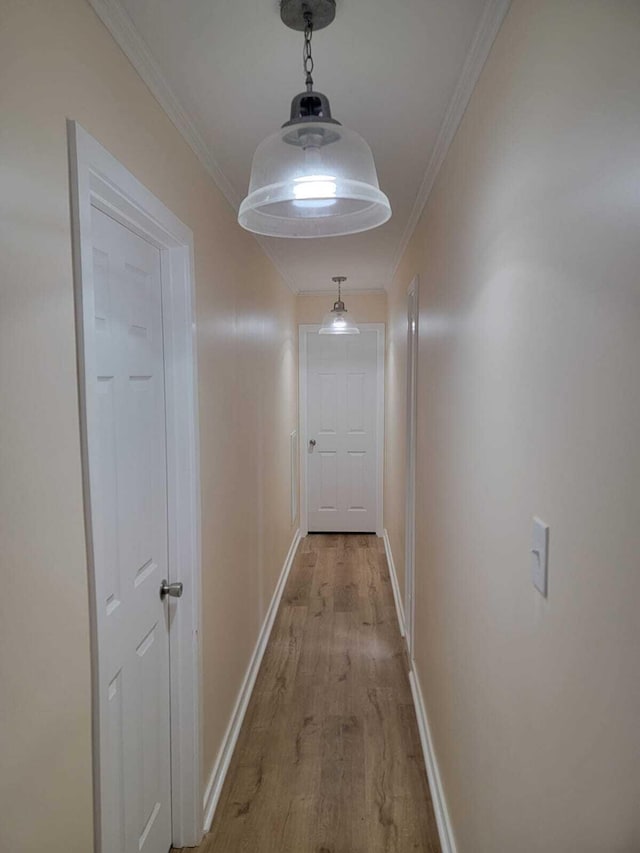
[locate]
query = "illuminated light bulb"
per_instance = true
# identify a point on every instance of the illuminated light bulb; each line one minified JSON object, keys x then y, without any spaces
{"x":314,"y":187}
{"x":314,"y":191}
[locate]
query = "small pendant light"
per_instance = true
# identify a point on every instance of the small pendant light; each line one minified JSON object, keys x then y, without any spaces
{"x":336,"y":322}
{"x":313,"y":177}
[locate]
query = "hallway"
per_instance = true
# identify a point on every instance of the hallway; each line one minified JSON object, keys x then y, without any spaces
{"x":329,"y":757}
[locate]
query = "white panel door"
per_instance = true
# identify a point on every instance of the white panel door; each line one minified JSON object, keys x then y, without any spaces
{"x":128,"y":476}
{"x":342,"y":416}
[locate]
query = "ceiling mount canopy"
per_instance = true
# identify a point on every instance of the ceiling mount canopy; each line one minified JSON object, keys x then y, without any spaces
{"x":294,"y":13}
{"x":336,"y":322}
{"x":313,"y":177}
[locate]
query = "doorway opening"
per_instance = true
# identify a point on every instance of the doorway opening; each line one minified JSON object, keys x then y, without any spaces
{"x":410,"y":508}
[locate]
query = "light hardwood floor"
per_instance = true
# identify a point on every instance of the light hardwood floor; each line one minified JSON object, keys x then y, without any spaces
{"x":329,"y":757}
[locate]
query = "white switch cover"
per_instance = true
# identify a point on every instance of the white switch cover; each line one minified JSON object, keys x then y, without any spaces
{"x":540,"y":555}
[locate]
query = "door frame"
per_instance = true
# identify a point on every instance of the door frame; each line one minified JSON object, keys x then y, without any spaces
{"x":98,"y":179}
{"x":303,"y":332}
{"x":411,"y":441}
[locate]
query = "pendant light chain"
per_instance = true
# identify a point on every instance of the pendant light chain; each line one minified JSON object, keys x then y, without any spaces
{"x":307,"y":59}
{"x":339,"y":305}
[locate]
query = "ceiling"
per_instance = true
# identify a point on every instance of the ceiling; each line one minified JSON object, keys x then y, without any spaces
{"x":399,"y":72}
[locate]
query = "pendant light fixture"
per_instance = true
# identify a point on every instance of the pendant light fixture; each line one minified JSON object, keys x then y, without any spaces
{"x":336,"y":322}
{"x":313,"y":177}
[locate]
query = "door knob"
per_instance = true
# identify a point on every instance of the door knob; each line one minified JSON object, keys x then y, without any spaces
{"x":312,"y":442}
{"x":172,"y":589}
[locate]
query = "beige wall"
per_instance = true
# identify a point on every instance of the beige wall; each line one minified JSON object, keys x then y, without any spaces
{"x":58,"y":61}
{"x":529,"y":404}
{"x":363,"y":307}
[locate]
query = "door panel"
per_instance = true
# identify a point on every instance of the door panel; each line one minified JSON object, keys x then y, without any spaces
{"x":328,"y":403}
{"x":328,"y":481}
{"x":356,"y":480}
{"x":355,"y":402}
{"x":127,"y":467}
{"x":342,"y":406}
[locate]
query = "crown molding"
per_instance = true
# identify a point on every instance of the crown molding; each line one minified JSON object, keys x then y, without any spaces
{"x":490,"y":23}
{"x":123,"y":30}
{"x":349,"y":291}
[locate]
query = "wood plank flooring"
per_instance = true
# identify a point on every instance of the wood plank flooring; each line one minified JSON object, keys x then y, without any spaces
{"x":329,"y":757}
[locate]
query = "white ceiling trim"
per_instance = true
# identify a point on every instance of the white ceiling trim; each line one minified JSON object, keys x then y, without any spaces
{"x":346,"y":291}
{"x":490,"y":23}
{"x":123,"y":30}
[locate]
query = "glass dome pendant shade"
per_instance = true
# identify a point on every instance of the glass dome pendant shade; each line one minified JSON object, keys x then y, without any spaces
{"x":336,"y":322}
{"x":313,"y":177}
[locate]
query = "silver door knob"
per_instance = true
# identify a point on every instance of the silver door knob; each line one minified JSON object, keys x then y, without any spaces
{"x":172,"y":589}
{"x":312,"y":442}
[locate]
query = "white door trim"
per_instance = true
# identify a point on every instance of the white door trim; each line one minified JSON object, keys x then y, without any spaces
{"x":410,"y":505}
{"x":303,"y":330}
{"x":98,"y":179}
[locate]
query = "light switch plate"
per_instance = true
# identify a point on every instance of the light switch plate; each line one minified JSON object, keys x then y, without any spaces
{"x":540,"y":555}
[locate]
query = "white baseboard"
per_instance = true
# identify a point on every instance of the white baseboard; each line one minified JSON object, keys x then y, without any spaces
{"x":447,"y":840}
{"x":221,"y":765}
{"x":395,"y":586}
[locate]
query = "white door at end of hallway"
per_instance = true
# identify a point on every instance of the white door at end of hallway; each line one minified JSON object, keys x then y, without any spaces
{"x":342,"y":426}
{"x":128,"y":477}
